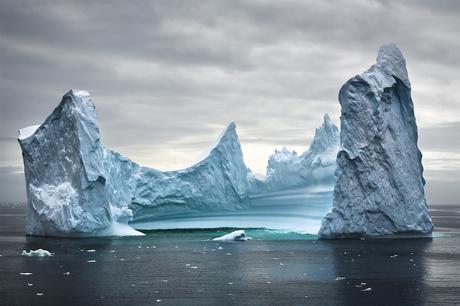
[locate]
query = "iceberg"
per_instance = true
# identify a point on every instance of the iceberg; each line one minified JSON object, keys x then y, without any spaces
{"x":238,"y":235}
{"x":77,"y":187}
{"x":218,"y":182}
{"x":65,"y":180}
{"x":380,"y":185}
{"x":315,"y":166}
{"x":36,"y":253}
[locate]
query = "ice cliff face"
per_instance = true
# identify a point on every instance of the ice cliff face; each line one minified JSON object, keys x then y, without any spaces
{"x":77,"y":187}
{"x":217,"y":182}
{"x":64,"y":173}
{"x":380,"y":185}
{"x":315,"y":166}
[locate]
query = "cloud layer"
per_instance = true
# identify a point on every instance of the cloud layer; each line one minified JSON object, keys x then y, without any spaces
{"x":167,"y":76}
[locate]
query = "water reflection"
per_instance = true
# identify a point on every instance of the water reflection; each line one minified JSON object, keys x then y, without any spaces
{"x":380,"y":272}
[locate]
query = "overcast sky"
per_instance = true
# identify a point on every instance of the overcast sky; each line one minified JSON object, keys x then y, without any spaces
{"x":168,"y":76}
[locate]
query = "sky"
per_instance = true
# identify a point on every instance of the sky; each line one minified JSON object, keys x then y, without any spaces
{"x":168,"y":76}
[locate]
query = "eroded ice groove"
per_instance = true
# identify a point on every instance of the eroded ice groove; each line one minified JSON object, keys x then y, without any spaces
{"x":380,"y":185}
{"x":297,"y":210}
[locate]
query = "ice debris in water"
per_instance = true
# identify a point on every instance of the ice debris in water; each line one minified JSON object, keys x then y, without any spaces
{"x":36,"y":253}
{"x":239,"y":235}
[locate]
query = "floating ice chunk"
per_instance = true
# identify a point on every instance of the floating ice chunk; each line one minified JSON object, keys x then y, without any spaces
{"x":91,"y":261}
{"x":239,"y":235}
{"x":36,"y":253}
{"x":366,"y":290}
{"x":90,"y":251}
{"x":66,"y":273}
{"x":339,"y":278}
{"x":25,"y":273}
{"x":39,"y":293}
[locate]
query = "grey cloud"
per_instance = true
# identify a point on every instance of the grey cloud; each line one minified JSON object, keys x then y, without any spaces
{"x":168,"y":76}
{"x":442,"y":137}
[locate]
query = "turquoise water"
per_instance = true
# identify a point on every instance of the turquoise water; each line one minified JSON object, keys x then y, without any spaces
{"x":209,"y":234}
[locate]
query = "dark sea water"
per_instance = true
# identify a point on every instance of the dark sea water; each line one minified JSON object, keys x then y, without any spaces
{"x":185,"y":267}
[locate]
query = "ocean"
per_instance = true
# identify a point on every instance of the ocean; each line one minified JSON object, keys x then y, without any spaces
{"x":186,"y":267}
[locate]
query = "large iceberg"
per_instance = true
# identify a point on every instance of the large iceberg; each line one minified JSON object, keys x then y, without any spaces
{"x":380,"y":185}
{"x":77,"y":187}
{"x":287,"y":169}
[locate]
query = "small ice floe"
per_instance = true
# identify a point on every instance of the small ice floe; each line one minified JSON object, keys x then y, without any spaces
{"x":367,"y":290}
{"x":239,"y":235}
{"x":91,"y":261}
{"x":159,"y":301}
{"x":394,"y":256}
{"x":339,"y":278}
{"x":25,"y":273}
{"x":36,"y":253}
{"x":66,"y":273}
{"x":39,"y":293}
{"x":220,"y":248}
{"x":90,"y":251}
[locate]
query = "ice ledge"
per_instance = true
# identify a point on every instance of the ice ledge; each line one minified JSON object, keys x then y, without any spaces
{"x":27,"y":131}
{"x":79,"y":93}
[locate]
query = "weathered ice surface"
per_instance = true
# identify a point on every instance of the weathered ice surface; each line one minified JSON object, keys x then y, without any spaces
{"x":380,"y":185}
{"x":63,"y":169}
{"x":317,"y":165}
{"x":218,"y":182}
{"x":76,"y":187}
